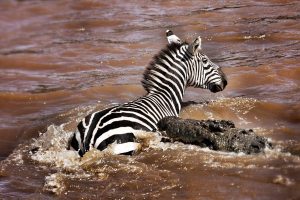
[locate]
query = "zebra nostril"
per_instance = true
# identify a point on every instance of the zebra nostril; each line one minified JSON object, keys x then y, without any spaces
{"x":215,"y":88}
{"x":224,"y":83}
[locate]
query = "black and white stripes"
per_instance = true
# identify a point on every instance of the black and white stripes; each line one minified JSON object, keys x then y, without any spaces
{"x":174,"y":68}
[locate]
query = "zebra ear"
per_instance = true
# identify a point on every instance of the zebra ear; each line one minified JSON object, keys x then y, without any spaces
{"x":195,"y":46}
{"x":172,"y":38}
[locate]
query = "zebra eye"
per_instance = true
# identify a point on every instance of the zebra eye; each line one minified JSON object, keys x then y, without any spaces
{"x":204,"y":60}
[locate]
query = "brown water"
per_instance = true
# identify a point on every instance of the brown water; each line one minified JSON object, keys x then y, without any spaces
{"x":60,"y":60}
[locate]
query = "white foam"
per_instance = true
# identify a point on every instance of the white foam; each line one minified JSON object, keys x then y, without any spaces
{"x":52,"y":148}
{"x":283,"y":180}
{"x":248,"y":37}
{"x":54,"y":183}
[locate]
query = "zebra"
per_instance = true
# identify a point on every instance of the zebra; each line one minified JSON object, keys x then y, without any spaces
{"x":175,"y":67}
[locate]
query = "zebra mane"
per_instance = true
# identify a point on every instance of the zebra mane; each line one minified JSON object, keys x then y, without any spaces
{"x":147,"y":80}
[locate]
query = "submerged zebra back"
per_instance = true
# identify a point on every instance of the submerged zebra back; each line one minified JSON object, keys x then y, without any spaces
{"x":113,"y":125}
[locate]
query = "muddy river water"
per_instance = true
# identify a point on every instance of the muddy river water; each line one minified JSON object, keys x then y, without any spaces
{"x":60,"y":60}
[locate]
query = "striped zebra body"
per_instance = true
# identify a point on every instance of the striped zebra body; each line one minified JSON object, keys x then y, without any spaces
{"x":165,"y":79}
{"x":120,"y":123}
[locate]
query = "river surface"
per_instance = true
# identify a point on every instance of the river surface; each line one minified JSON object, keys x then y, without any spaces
{"x":60,"y":60}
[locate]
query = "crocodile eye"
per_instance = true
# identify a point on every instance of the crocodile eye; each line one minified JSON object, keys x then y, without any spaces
{"x":204,"y":60}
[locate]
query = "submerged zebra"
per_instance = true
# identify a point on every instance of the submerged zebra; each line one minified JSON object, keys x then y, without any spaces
{"x":174,"y":68}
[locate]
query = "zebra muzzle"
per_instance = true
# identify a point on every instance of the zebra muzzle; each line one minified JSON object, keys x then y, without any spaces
{"x":218,"y":87}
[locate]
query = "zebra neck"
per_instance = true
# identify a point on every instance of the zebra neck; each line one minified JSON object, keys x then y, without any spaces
{"x":166,"y":76}
{"x":164,"y":104}
{"x":170,"y":91}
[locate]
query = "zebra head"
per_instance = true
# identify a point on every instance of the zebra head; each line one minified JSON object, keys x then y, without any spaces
{"x":203,"y":73}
